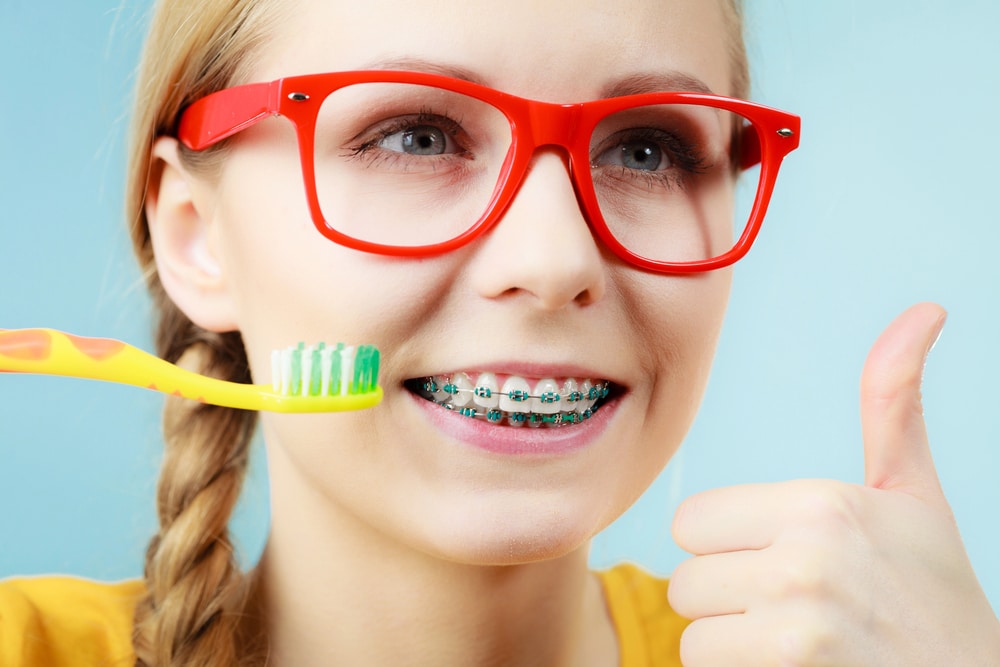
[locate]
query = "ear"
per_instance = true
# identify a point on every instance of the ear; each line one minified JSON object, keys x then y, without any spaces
{"x":178,"y":211}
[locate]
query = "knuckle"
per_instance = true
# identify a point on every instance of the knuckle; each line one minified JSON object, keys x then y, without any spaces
{"x":809,"y":562}
{"x":799,"y":577}
{"x":829,"y":504}
{"x":804,"y":642}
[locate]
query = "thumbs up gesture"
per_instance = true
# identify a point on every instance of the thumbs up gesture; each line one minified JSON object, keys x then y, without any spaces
{"x":819,"y":572}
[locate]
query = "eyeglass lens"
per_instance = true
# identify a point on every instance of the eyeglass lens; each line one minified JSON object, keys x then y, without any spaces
{"x":412,"y":165}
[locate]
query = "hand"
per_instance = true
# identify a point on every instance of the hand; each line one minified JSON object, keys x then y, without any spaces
{"x":818,"y":572}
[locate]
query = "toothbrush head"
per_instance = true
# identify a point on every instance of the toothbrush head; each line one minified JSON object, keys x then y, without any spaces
{"x":312,"y":377}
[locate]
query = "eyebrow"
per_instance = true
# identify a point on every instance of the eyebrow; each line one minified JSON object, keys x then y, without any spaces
{"x":421,"y":65}
{"x":634,"y":84}
{"x":658,"y":82}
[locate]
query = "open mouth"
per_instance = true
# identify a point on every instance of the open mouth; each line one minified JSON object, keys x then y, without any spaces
{"x":513,"y":400}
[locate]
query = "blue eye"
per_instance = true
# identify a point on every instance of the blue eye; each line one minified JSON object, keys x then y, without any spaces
{"x":636,"y":154}
{"x":419,"y":140}
{"x":650,"y":157}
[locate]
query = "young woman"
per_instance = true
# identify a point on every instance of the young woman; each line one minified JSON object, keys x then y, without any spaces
{"x":413,"y":198}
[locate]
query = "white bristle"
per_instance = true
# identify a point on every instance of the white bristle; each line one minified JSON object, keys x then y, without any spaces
{"x":276,"y":370}
{"x":286,"y":370}
{"x":325,"y":368}
{"x":307,"y":370}
{"x":346,"y":369}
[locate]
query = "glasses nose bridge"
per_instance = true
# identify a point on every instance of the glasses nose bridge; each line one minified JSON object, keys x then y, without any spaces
{"x":554,"y":125}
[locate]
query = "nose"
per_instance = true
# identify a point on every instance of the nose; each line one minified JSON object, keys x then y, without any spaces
{"x":542,"y":247}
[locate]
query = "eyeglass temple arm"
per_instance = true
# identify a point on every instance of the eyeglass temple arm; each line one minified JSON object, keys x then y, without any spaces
{"x":226,"y":112}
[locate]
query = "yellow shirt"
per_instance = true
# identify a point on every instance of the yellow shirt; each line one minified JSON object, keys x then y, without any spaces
{"x":64,"y":621}
{"x":649,"y":630}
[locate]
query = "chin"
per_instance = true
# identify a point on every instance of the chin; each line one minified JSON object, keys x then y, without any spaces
{"x":512,"y":537}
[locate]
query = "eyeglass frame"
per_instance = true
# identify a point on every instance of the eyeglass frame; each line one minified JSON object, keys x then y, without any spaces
{"x":534,"y":124}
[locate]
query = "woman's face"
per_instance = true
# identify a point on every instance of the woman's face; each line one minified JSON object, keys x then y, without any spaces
{"x":537,"y":298}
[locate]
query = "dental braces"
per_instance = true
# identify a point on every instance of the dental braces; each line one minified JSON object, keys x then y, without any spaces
{"x":596,"y":392}
{"x":442,"y":394}
{"x":497,"y":416}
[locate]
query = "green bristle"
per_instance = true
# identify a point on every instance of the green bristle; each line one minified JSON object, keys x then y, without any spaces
{"x":359,"y":360}
{"x":296,"y":380}
{"x":373,"y":368}
{"x":360,"y":365}
{"x":335,"y":369}
{"x":316,"y":376}
{"x":371,"y":362}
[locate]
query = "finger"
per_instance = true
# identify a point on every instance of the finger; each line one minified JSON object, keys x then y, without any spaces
{"x":897,"y":453}
{"x":732,"y":518}
{"x":724,"y":641}
{"x":746,"y":517}
{"x":791,"y":635}
{"x":715,"y":585}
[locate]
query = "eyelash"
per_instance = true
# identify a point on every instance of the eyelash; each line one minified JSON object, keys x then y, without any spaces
{"x":684,"y":157}
{"x":370,"y":151}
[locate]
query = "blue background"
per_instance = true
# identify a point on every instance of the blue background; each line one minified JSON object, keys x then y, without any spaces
{"x":891,"y":200}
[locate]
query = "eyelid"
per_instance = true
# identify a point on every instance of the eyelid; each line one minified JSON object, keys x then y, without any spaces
{"x":398,"y":124}
{"x":682,"y":153}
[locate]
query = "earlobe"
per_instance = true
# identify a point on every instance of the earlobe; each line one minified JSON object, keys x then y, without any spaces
{"x":178,"y":211}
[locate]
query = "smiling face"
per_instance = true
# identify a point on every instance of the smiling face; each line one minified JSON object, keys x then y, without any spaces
{"x":536,"y":305}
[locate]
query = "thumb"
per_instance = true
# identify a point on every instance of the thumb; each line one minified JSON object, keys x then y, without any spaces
{"x":897,"y":453}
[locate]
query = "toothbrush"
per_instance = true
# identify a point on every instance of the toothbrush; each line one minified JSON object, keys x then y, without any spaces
{"x":305,"y":378}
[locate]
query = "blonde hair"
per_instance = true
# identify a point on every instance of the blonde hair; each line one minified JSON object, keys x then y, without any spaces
{"x":737,"y":48}
{"x":195,"y":589}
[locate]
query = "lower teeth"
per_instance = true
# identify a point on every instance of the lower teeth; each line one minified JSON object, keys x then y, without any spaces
{"x":498,"y":416}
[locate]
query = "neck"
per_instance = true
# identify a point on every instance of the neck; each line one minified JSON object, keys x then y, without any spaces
{"x":348,"y":595}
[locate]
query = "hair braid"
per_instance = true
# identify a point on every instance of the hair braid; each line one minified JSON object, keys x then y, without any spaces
{"x":194,"y":584}
{"x":194,"y":587}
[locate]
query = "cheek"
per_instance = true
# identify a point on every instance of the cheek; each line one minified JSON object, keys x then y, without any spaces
{"x":680,"y":321}
{"x":290,"y":283}
{"x":680,"y":330}
{"x":694,"y":319}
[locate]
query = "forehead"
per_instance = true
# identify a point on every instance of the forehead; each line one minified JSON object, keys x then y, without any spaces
{"x":556,"y":50}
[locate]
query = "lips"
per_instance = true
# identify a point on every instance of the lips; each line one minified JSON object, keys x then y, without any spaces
{"x":514,"y":400}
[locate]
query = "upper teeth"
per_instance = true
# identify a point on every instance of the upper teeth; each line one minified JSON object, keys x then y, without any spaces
{"x":547,"y":397}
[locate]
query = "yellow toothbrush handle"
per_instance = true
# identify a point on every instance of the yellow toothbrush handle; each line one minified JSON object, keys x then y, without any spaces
{"x":51,"y":352}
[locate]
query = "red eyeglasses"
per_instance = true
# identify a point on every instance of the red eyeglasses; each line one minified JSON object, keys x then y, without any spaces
{"x":415,"y":164}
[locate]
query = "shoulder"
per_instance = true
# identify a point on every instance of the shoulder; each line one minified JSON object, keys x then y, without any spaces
{"x":649,"y":630}
{"x":62,"y":620}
